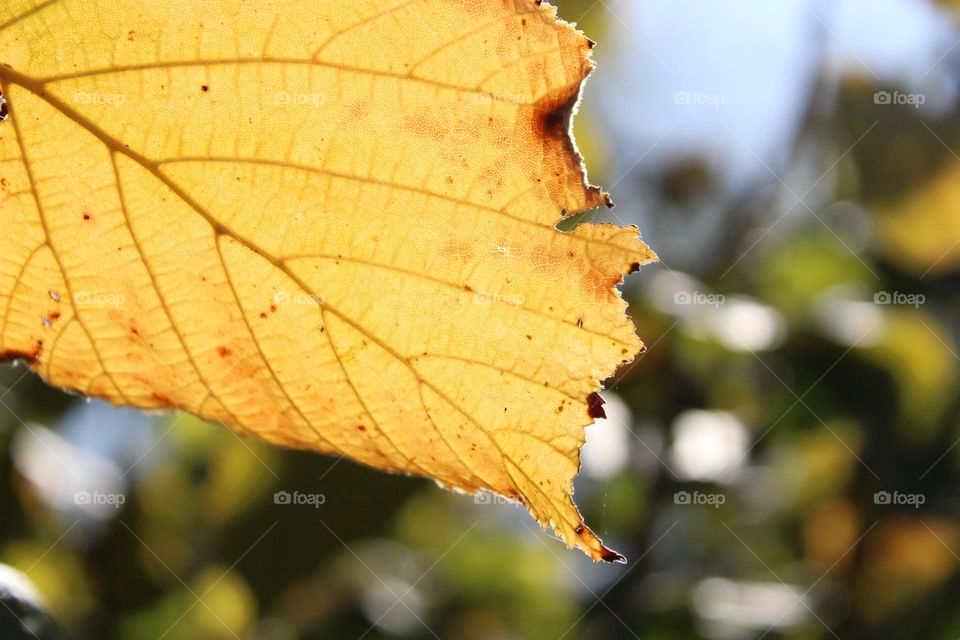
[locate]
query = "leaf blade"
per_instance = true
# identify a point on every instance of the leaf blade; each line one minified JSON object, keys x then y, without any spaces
{"x":329,"y":232}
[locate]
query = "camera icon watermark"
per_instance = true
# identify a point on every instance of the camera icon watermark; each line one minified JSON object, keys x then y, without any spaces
{"x":887,"y":498}
{"x":298,"y":499}
{"x":688,"y":498}
{"x":914,"y":100}
{"x":914,"y":300}
{"x":96,"y":498}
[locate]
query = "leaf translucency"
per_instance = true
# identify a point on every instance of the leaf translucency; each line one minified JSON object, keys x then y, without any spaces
{"x":318,"y":228}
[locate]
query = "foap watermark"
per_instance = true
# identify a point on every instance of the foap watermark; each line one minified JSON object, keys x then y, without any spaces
{"x":298,"y":499}
{"x":914,"y":300}
{"x":699,"y":298}
{"x":697,"y":98}
{"x":485,"y":497}
{"x":97,"y":499}
{"x":486,"y":98}
{"x":899,"y":98}
{"x":314,"y":100}
{"x":516,"y":300}
{"x":898,"y":499}
{"x":686,"y":498}
{"x":99,"y":299}
{"x":296,"y":297}
{"x":102,"y":99}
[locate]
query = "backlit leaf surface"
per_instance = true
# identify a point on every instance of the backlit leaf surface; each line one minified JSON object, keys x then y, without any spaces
{"x":326,"y":223}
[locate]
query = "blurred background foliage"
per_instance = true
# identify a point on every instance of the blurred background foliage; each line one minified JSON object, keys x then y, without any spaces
{"x":782,"y":462}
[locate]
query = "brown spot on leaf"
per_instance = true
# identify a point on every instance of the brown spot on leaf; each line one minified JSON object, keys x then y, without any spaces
{"x":595,"y":406}
{"x":456,"y":249}
{"x":360,"y":109}
{"x":599,"y":285}
{"x":549,"y":123}
{"x":223,"y":352}
{"x":12,"y":355}
{"x":554,"y":115}
{"x":609,"y":555}
{"x":161,"y":399}
{"x":428,"y":125}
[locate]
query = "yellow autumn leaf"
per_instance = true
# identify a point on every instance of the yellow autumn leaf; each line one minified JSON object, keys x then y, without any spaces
{"x":329,"y":224}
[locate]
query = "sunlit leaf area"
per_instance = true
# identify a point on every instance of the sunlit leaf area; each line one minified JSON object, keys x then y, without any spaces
{"x":783,"y":461}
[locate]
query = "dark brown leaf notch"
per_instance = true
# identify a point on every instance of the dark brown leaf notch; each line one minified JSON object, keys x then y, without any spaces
{"x":595,"y":406}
